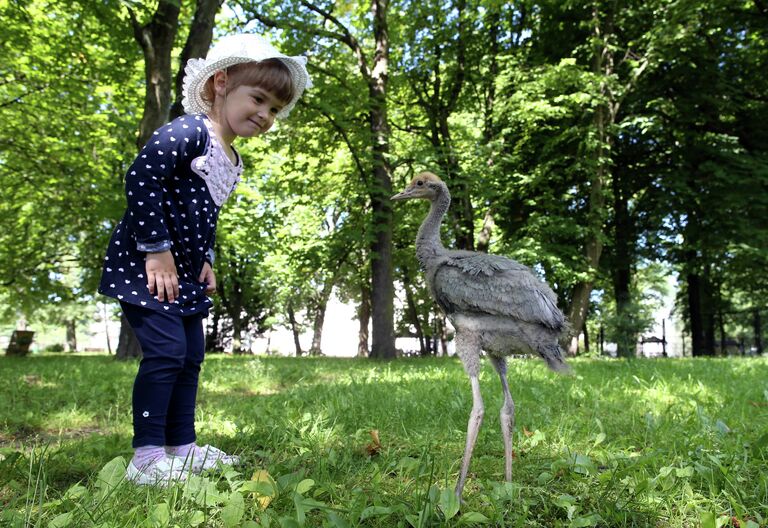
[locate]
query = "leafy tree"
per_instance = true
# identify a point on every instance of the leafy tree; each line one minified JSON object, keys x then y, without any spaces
{"x":352,"y":29}
{"x":65,"y":103}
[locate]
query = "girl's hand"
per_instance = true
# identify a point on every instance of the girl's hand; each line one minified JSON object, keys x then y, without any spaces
{"x":162,"y":279}
{"x":208,"y":277}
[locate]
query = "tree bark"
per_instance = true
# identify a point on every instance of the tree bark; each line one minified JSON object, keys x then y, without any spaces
{"x":317,"y":325}
{"x":622,"y":270}
{"x":484,"y":237}
{"x":156,"y":39}
{"x":71,"y":326}
{"x":382,"y":286}
{"x":586,"y":338}
{"x":294,"y":329}
{"x":363,"y":318}
{"x":605,"y":115}
{"x":413,"y":314}
{"x":698,"y":340}
{"x":234,"y":307}
{"x":212,"y":339}
{"x":196,"y":46}
{"x":237,"y":335}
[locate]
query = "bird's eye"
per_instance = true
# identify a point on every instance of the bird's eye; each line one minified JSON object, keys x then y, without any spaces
{"x":419,"y":183}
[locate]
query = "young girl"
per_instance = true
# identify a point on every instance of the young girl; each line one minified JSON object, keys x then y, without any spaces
{"x":159,"y":261}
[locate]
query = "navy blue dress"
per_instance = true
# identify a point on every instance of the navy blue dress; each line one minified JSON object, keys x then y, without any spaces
{"x":175,"y":189}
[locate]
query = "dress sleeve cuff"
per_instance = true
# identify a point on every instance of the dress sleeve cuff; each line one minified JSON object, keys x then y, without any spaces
{"x":155,"y":247}
{"x":210,"y":256}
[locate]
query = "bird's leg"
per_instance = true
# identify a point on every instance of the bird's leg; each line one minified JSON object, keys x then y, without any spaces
{"x":473,"y":426}
{"x":469,"y":351}
{"x":507,"y":415}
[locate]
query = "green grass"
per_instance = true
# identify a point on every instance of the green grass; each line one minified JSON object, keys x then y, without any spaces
{"x":667,"y":443}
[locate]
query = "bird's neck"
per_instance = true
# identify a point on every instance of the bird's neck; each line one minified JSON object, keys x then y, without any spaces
{"x":428,"y":243}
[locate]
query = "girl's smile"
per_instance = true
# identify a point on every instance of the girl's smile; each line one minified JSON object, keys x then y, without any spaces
{"x":247,"y":111}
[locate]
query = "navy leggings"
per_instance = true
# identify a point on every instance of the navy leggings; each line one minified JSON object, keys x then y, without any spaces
{"x":165,"y":389}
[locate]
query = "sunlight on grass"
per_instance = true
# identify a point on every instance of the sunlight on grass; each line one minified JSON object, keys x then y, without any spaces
{"x":639,"y":443}
{"x":69,"y":419}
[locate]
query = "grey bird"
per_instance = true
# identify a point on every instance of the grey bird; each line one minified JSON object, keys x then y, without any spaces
{"x":494,"y":303}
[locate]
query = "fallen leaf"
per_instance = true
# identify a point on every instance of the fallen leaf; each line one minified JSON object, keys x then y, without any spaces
{"x":374,"y":448}
{"x":264,"y":499}
{"x":526,"y":432}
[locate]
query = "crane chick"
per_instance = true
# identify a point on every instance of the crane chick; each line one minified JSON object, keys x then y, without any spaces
{"x":494,"y":303}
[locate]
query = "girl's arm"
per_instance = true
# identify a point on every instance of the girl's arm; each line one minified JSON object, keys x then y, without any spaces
{"x":170,"y":145}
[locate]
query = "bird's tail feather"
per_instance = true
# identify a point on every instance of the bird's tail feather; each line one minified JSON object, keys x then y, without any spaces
{"x":554,"y":357}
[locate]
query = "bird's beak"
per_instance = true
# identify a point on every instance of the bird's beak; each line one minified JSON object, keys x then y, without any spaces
{"x":403,"y":195}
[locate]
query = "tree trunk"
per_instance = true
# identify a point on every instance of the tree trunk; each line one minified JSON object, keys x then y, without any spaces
{"x":294,"y":329}
{"x":604,"y":118}
{"x":237,"y":333}
{"x":363,"y":318}
{"x":127,"y":345}
{"x":106,"y":329}
{"x":442,"y":334}
{"x":626,"y":340}
{"x":156,"y":40}
{"x":212,"y":339}
{"x":71,"y":326}
{"x":758,"y":329}
{"x":413,"y":314}
{"x":493,"y":29}
{"x":380,"y":187}
{"x":484,"y":237}
{"x":196,"y":46}
{"x":698,"y":341}
{"x":319,"y":319}
{"x":586,"y":338}
{"x":462,"y":212}
{"x":721,"y":327}
{"x":709,"y":327}
{"x":382,"y":287}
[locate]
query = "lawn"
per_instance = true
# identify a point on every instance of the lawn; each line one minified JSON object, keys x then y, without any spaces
{"x":662,"y":443}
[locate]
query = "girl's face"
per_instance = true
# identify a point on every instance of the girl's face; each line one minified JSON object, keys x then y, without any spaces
{"x":245,"y":111}
{"x":249,"y":111}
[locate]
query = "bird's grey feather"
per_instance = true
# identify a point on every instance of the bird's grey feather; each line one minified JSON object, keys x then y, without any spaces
{"x":493,"y":285}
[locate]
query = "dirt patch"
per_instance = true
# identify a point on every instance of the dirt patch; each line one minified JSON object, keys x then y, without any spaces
{"x":27,"y":436}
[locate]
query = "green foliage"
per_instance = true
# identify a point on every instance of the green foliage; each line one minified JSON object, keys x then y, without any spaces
{"x":502,"y":99}
{"x":65,"y":104}
{"x":646,"y":443}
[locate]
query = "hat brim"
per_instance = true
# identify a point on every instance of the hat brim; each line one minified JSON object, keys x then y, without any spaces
{"x":198,"y":71}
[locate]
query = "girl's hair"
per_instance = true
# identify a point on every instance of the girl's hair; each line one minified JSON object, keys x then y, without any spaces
{"x":270,"y":74}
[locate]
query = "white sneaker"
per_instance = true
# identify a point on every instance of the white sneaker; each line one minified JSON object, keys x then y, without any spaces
{"x":203,"y":458}
{"x":162,"y":473}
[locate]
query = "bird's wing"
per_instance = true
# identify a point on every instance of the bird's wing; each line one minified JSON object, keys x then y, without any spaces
{"x":490,"y":284}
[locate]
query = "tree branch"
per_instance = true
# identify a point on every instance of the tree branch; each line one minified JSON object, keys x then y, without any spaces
{"x":344,"y":36}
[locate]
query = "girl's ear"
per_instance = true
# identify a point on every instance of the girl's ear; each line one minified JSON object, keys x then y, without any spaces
{"x":220,"y":82}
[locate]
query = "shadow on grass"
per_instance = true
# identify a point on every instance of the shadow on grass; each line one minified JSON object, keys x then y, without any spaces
{"x":627,"y":420}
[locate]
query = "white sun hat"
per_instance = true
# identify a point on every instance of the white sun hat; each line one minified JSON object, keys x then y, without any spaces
{"x":237,"y":49}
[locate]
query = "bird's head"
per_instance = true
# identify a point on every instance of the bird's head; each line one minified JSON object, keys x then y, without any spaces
{"x":425,"y":186}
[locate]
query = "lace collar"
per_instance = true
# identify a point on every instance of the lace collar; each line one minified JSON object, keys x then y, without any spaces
{"x":215,"y":167}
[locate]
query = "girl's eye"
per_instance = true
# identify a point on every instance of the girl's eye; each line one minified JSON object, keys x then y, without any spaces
{"x":258,"y":99}
{"x":274,"y":111}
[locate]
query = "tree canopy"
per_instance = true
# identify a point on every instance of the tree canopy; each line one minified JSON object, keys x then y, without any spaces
{"x":604,"y":145}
